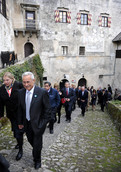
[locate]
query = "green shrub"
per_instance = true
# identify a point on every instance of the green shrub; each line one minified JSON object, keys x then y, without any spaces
{"x":34,"y":65}
{"x":38,"y":67}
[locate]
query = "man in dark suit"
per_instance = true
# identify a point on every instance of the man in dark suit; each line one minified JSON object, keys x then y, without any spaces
{"x":103,"y":99}
{"x":33,"y":114}
{"x":83,"y":97}
{"x":54,"y":102}
{"x":69,"y":96}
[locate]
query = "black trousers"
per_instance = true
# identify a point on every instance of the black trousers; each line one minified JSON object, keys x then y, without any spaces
{"x":18,"y":134}
{"x":59,"y":112}
{"x":102,"y":106}
{"x":53,"y":118}
{"x":83,"y":106}
{"x":35,"y":141}
{"x":68,"y":109}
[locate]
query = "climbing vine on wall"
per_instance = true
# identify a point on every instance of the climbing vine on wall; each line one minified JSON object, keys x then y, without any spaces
{"x":34,"y":65}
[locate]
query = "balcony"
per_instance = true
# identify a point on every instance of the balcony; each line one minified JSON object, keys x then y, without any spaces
{"x":26,"y":26}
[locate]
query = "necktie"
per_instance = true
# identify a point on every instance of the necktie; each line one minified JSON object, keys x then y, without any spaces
{"x":28,"y":102}
{"x":67,"y":91}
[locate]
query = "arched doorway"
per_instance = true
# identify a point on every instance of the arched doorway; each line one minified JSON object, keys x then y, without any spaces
{"x":28,"y":49}
{"x":62,"y":83}
{"x":82,"y":82}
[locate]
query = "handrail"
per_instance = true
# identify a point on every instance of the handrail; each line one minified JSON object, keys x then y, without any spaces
{"x":28,"y":24}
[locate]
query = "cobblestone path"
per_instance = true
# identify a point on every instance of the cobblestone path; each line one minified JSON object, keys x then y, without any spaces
{"x":87,"y":144}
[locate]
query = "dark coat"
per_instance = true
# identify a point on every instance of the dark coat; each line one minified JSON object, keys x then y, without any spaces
{"x":39,"y":110}
{"x":71,"y":95}
{"x":54,"y":98}
{"x":103,"y":98}
{"x":11,"y":102}
{"x":84,"y":97}
{"x":4,"y":165}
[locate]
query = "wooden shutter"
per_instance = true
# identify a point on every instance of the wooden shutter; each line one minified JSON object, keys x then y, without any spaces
{"x":57,"y":18}
{"x":78,"y":18}
{"x":109,"y":21}
{"x":100,"y":21}
{"x":89,"y":19}
{"x":68,"y":17}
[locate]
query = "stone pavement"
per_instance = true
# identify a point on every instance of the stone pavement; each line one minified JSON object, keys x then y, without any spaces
{"x":87,"y":144}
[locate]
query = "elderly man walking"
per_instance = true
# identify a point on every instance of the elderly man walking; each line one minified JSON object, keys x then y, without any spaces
{"x":33,"y":114}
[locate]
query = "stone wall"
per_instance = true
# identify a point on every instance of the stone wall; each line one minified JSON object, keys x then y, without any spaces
{"x":114,"y":110}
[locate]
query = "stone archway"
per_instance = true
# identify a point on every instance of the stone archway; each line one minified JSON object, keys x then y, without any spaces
{"x":62,"y":83}
{"x":82,"y":82}
{"x":28,"y":49}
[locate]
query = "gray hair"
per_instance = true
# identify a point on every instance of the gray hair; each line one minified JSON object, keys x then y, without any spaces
{"x":28,"y":73}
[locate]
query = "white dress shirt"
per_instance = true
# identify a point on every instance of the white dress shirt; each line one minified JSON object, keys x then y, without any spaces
{"x":31,"y":95}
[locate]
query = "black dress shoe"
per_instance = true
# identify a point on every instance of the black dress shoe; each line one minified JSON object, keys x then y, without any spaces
{"x":37,"y":165}
{"x":69,"y":120}
{"x":51,"y":132}
{"x":19,"y":155}
{"x":17,"y":146}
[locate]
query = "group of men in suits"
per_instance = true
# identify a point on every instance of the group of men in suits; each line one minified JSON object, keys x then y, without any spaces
{"x":38,"y":106}
{"x":69,"y":94}
{"x":34,"y":109}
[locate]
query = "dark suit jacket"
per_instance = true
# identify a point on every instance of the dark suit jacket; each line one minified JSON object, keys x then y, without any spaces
{"x":71,"y":95}
{"x":4,"y":164}
{"x":39,"y":110}
{"x":11,"y":102}
{"x":84,"y":97}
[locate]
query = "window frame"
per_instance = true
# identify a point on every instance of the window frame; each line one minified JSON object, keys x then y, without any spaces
{"x":3,"y":8}
{"x":61,"y":11}
{"x":83,"y":14}
{"x":82,"y":53}
{"x":30,"y":22}
{"x":64,"y":50}
{"x":104,"y":22}
{"x":118,"y":54}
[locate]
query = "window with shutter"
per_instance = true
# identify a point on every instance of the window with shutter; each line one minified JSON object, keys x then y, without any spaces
{"x":104,"y":21}
{"x":89,"y":19}
{"x":63,"y":16}
{"x":57,"y":17}
{"x":68,"y":17}
{"x":78,"y":18}
{"x":100,"y":21}
{"x":109,"y":21}
{"x":84,"y":19}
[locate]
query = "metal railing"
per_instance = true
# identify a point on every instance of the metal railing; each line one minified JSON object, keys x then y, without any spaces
{"x":26,"y":24}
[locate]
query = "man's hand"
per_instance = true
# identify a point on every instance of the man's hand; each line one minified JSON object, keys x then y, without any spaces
{"x":1,"y":118}
{"x":82,"y":100}
{"x":68,"y":100}
{"x":20,"y":127}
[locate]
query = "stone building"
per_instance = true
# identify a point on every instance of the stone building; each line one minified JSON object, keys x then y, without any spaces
{"x":77,"y":40}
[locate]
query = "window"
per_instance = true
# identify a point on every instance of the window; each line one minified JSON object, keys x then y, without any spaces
{"x":84,"y":19}
{"x":30,"y":19}
{"x":3,"y":7}
{"x":64,"y":50}
{"x":0,"y":6}
{"x":104,"y":21}
{"x":63,"y":16}
{"x":118,"y":53}
{"x":81,"y":50}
